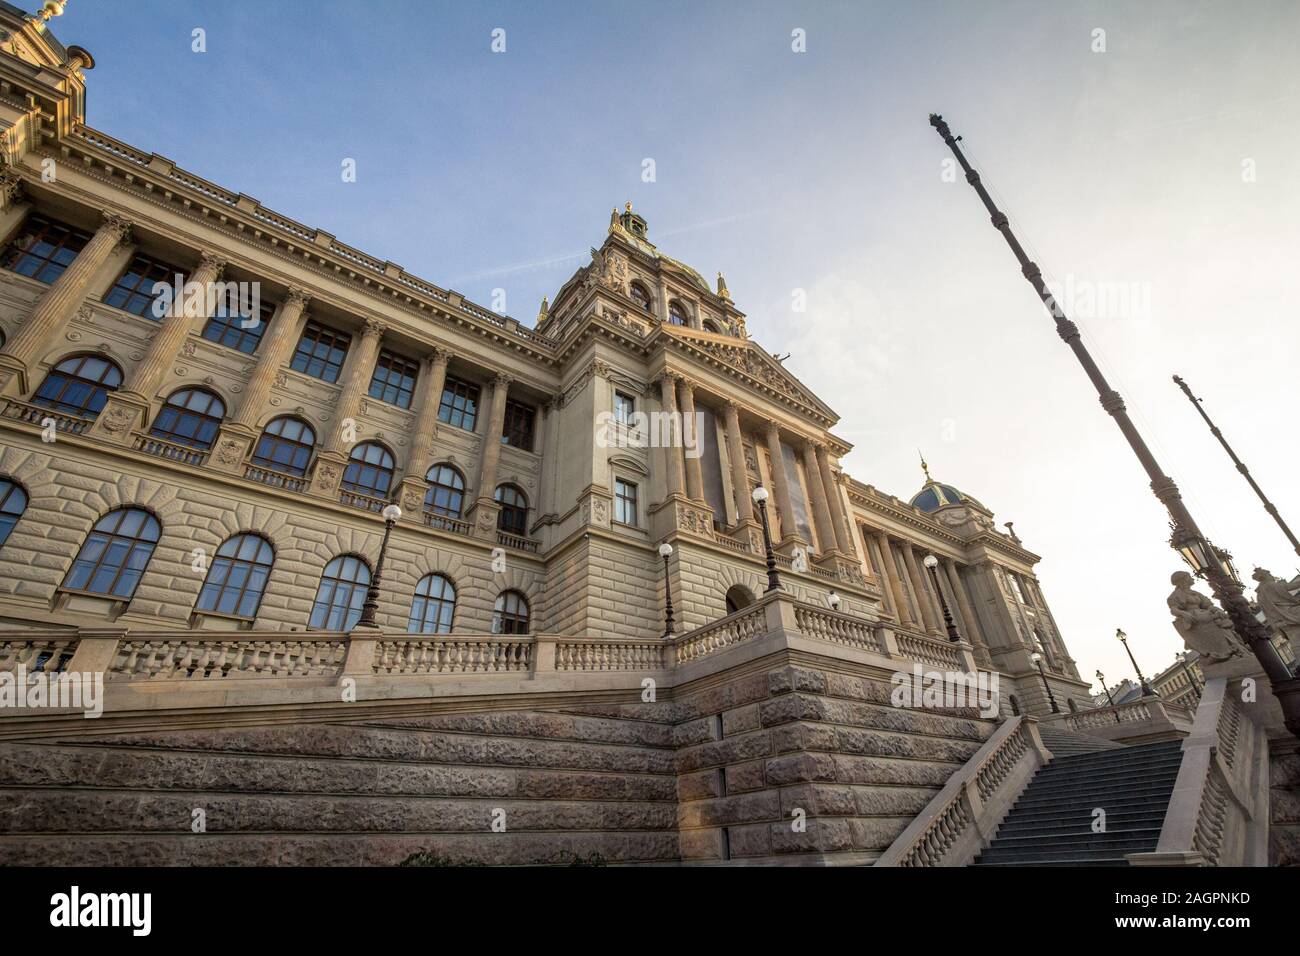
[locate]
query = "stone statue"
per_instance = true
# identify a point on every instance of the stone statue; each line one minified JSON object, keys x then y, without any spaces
{"x":1281,"y":608}
{"x":1202,"y":626}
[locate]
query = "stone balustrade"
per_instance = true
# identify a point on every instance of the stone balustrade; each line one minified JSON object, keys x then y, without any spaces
{"x":454,"y":654}
{"x":195,"y":657}
{"x":963,"y":817}
{"x":1219,"y":812}
{"x":1146,"y":720}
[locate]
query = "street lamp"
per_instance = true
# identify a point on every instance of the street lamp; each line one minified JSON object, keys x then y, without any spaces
{"x":773,"y":579}
{"x":1230,"y":593}
{"x":390,"y":514}
{"x":1146,"y":688}
{"x":931,"y":563}
{"x":833,"y":600}
{"x":1037,"y":658}
{"x":665,"y":551}
{"x":1102,"y":677}
{"x":1191,"y":676}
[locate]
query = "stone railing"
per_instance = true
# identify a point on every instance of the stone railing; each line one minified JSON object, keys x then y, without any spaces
{"x":942,"y":654}
{"x":453,"y":654}
{"x":1148,"y":719}
{"x":963,"y":817}
{"x":744,"y":625}
{"x":168,"y":449}
{"x":838,"y":628}
{"x":196,"y":657}
{"x":446,"y":523}
{"x":518,"y":542}
{"x":276,"y":479}
{"x":625,"y":655}
{"x":1218,"y":812}
{"x":35,"y":652}
{"x":356,"y":499}
{"x":37,"y":415}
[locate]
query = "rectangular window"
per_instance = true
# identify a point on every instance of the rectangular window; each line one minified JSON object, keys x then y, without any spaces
{"x":624,"y":501}
{"x":517,"y":430}
{"x":227,"y":327}
{"x":624,"y":408}
{"x":459,"y":405}
{"x":134,"y":290}
{"x":321,"y":352}
{"x":394,"y":379}
{"x":43,"y":248}
{"x":1017,"y":591}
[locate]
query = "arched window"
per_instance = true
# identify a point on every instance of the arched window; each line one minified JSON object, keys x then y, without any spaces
{"x":433,"y":605}
{"x":285,"y":446}
{"x":513,"y":516}
{"x":738,"y":596}
{"x":639,"y":295}
{"x":446,"y":494}
{"x":237,"y":577}
{"x":677,"y":313}
{"x":190,"y":416}
{"x":341,"y":593}
{"x":13,"y":502}
{"x":711,"y":326}
{"x":510,"y":615}
{"x":115,"y":553}
{"x":369,"y":470}
{"x":79,"y":385}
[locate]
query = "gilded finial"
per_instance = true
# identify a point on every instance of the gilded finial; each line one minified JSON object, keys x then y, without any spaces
{"x":722,"y":288}
{"x":629,"y":205}
{"x":51,"y":9}
{"x":924,"y":465}
{"x":545,"y":310}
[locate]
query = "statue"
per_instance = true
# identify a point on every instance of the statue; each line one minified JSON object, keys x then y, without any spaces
{"x":1281,"y":608}
{"x":1202,"y":626}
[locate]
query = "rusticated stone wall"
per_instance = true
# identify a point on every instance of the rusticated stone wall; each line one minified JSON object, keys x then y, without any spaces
{"x":776,"y":764}
{"x":1284,"y":807}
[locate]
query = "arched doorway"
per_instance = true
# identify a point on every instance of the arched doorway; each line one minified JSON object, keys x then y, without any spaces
{"x":738,"y":597}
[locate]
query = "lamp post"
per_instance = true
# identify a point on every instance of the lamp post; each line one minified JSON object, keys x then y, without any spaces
{"x":665,"y":551}
{"x":931,"y":563}
{"x":773,"y":579}
{"x":1037,"y":658}
{"x":390,"y":513}
{"x":1191,"y":676}
{"x":1285,"y":685}
{"x":1102,"y":677}
{"x":1146,"y":688}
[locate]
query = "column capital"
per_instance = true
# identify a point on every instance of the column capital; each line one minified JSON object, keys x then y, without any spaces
{"x":11,"y":185}
{"x":373,"y":329}
{"x":501,"y":380}
{"x":297,"y":297}
{"x":439,"y":355}
{"x":213,"y":261}
{"x":117,"y":226}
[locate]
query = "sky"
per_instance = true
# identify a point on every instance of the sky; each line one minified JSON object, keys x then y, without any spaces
{"x":1152,"y":169}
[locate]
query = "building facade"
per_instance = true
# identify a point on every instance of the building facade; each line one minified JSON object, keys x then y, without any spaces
{"x":236,"y":463}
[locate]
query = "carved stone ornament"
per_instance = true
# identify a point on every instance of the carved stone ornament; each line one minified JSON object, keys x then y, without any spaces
{"x":600,"y":511}
{"x":117,"y":418}
{"x":229,"y":451}
{"x":412,"y":501}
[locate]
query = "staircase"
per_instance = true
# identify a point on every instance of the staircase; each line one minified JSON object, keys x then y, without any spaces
{"x":1052,"y":822}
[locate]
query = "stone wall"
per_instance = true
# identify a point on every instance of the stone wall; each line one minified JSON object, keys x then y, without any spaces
{"x":773,"y":763}
{"x":1284,"y":806}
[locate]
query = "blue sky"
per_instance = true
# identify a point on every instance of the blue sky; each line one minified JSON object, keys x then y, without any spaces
{"x":817,"y":171}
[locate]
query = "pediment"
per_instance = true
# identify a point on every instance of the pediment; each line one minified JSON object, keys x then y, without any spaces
{"x":743,"y":356}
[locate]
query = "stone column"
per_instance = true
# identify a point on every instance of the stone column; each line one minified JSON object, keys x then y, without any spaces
{"x":484,"y":512}
{"x":874,"y":561}
{"x":276,"y":348}
{"x":128,"y":407}
{"x":789,"y":531}
{"x":694,"y":473}
{"x":672,"y":457}
{"x":832,"y":492}
{"x":972,"y":630}
{"x":428,"y":396}
{"x":820,"y":509}
{"x":358,"y":369}
{"x":890,"y":570}
{"x":923,"y":599}
{"x":56,"y":306}
{"x":739,"y":477}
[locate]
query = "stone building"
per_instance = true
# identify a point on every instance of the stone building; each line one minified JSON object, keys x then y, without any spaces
{"x":190,"y":497}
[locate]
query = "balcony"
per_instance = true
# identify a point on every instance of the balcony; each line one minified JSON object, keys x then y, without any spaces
{"x":37,"y":415}
{"x":276,"y":479}
{"x":356,"y":499}
{"x":183,"y":454}
{"x":516,"y":542}
{"x":447,"y":523}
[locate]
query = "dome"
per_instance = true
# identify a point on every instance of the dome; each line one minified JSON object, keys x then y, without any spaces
{"x":935,"y":494}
